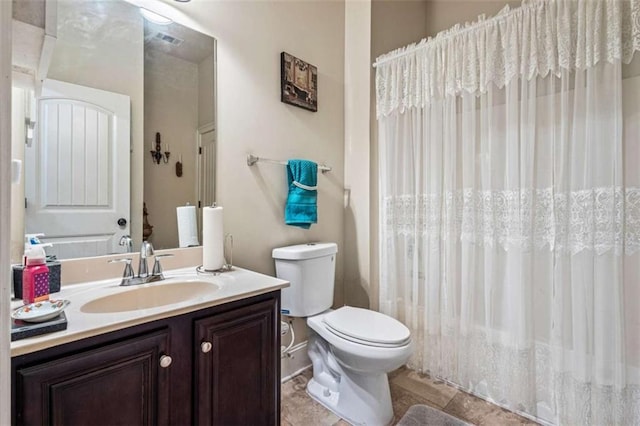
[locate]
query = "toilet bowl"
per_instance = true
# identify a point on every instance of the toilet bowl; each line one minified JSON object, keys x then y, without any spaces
{"x":350,"y":370}
{"x":351,"y":349}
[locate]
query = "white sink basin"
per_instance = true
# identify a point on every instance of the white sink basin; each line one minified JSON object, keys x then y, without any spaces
{"x":149,"y":296}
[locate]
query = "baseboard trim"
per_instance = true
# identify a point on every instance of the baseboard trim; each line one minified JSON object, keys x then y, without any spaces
{"x":295,"y":362}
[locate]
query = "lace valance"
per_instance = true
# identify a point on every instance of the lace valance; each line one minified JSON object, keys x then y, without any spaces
{"x":599,"y":219}
{"x":538,"y":38}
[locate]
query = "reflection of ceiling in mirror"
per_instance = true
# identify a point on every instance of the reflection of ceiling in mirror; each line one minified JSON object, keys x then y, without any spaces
{"x":112,"y":19}
{"x":102,"y":20}
{"x":97,"y":21}
{"x":178,"y":41}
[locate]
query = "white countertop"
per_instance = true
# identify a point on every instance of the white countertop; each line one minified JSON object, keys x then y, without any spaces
{"x":234,"y":285}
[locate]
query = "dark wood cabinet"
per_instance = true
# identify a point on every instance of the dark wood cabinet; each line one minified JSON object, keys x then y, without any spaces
{"x":123,"y":378}
{"x":217,"y":366}
{"x":236,"y":382}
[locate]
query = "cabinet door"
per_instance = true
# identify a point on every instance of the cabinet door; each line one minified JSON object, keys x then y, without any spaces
{"x":237,"y":381}
{"x":117,"y":384}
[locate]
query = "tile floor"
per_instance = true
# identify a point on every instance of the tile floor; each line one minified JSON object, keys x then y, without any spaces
{"x":407,"y":388}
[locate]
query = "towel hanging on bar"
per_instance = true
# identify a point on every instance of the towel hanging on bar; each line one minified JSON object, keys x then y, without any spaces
{"x":302,"y":208}
{"x":305,"y":187}
{"x":253,"y":159}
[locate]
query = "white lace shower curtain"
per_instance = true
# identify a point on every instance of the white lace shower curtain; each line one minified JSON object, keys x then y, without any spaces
{"x":510,"y":207}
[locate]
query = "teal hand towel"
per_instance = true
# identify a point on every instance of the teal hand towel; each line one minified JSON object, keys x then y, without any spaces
{"x":302,"y":208}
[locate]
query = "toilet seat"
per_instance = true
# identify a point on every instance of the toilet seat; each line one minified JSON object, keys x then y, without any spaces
{"x":367,"y":327}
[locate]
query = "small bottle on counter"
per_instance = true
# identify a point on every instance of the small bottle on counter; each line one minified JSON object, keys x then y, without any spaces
{"x":35,"y":276}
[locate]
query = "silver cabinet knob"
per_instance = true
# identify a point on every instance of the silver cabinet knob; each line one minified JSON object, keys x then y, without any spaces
{"x":206,"y":347}
{"x":165,"y":361}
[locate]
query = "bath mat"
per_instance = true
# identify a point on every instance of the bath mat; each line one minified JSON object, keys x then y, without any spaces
{"x":421,"y":415}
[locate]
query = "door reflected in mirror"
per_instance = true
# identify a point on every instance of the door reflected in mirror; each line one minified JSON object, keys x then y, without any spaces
{"x":88,"y":104}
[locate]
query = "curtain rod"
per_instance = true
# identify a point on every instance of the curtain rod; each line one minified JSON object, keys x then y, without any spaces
{"x":253,"y":159}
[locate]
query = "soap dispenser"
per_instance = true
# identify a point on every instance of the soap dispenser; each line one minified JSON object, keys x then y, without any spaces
{"x":35,"y":275}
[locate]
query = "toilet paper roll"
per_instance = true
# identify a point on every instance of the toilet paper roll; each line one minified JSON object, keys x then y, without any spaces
{"x":212,"y":238}
{"x":187,"y":226}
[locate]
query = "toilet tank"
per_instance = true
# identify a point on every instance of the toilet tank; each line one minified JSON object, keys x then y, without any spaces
{"x":310,"y":268}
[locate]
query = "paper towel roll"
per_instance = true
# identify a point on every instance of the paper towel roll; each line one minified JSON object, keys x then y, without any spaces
{"x":187,"y":226}
{"x":16,"y":170}
{"x":212,"y":238}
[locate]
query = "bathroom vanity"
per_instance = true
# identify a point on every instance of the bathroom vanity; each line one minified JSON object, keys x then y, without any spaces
{"x":210,"y":359}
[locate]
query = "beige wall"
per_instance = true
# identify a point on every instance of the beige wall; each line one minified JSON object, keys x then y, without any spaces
{"x":442,"y":15}
{"x":396,"y":23}
{"x":114,"y":64}
{"x":206,"y":92}
{"x":253,"y":120}
{"x":170,"y":108}
{"x":250,"y":36}
{"x":356,"y":152}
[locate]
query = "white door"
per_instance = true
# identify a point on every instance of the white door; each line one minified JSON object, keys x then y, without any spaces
{"x":77,"y":179}
{"x":206,"y":164}
{"x":206,"y":170}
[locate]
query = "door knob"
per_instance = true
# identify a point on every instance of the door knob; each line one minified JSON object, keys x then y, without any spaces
{"x":206,"y":347}
{"x":165,"y":361}
{"x":122,"y":222}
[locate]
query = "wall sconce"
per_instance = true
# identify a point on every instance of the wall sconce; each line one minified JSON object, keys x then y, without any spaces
{"x":157,"y":153}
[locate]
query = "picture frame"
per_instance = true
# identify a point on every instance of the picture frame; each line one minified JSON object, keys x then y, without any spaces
{"x":299,"y":82}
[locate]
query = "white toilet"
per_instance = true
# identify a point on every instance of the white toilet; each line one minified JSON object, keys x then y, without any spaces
{"x":352,"y":349}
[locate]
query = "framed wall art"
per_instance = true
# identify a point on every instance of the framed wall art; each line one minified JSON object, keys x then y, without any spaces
{"x":299,"y":82}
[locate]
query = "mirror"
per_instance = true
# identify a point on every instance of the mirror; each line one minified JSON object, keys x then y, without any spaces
{"x":111,"y":112}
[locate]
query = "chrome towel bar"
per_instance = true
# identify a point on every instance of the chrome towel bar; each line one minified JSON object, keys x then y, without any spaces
{"x":253,"y":159}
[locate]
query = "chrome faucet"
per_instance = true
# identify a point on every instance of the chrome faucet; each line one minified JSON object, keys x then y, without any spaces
{"x":127,"y":242}
{"x":128,"y":277}
{"x":146,"y":250}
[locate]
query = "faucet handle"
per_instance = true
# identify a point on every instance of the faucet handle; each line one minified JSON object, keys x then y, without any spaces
{"x":128,"y":270}
{"x":157,"y":267}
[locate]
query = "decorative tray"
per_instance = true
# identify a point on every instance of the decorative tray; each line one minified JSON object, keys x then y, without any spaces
{"x":40,"y":311}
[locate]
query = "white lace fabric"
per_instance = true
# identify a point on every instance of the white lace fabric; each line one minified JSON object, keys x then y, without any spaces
{"x":598,"y":219}
{"x":490,"y":366}
{"x":510,"y":207}
{"x":541,"y":37}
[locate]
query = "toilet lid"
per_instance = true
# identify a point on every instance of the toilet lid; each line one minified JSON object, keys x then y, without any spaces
{"x":365,"y":326}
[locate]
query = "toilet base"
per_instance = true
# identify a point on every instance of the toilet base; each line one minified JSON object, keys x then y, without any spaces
{"x":360,"y":400}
